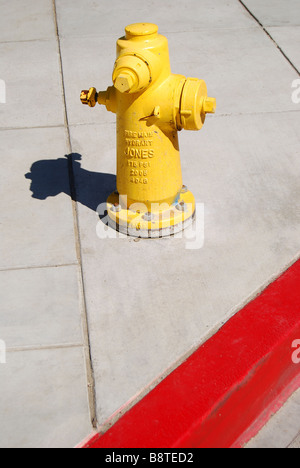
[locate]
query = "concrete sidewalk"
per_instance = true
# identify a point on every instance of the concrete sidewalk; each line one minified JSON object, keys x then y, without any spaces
{"x":90,"y":324}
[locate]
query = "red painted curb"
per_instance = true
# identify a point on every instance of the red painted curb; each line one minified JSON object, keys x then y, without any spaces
{"x":217,"y":397}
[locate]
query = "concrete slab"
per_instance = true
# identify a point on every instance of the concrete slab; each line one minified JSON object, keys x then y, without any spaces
{"x":31,"y":73}
{"x":54,"y":292}
{"x":239,"y":67}
{"x":282,"y":21}
{"x":43,"y":400}
{"x":17,"y":23}
{"x":288,"y":39}
{"x":295,"y":443}
{"x":97,"y":56}
{"x":151,"y":302}
{"x":275,"y":12}
{"x":101,"y":18}
{"x":35,"y":231}
{"x":283,"y":428}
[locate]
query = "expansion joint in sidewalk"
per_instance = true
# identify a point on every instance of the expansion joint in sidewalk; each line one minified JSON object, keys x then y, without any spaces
{"x":88,"y":360}
{"x":270,"y":36}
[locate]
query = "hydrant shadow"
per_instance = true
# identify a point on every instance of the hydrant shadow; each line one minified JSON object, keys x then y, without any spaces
{"x":49,"y":178}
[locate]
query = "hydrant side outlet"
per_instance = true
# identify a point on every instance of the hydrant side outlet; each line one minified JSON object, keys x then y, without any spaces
{"x":151,"y":105}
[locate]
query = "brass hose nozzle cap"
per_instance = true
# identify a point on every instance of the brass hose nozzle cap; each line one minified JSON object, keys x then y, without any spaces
{"x":89,"y":97}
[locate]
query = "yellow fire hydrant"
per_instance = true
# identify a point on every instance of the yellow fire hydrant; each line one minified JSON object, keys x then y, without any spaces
{"x":151,"y":105}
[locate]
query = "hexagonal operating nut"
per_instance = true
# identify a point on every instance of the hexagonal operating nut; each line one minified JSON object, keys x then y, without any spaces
{"x":209,"y":105}
{"x":89,"y":97}
{"x":125,"y":82}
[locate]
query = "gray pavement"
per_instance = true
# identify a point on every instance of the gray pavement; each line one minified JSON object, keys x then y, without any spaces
{"x":282,"y":431}
{"x":91,"y":322}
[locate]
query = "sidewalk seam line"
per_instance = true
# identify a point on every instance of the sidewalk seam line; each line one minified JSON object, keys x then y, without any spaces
{"x":16,"y":349}
{"x":42,"y":127}
{"x":293,"y":441}
{"x":36,"y":267}
{"x":85,"y":329}
{"x":270,"y":36}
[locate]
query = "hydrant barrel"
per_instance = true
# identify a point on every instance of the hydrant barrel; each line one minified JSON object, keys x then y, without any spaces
{"x":151,"y":105}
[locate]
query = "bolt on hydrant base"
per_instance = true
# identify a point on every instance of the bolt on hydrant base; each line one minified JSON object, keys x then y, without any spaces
{"x":162,"y":220}
{"x":151,"y":105}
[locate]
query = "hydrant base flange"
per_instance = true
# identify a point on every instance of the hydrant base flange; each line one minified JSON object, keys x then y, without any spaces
{"x":163,"y":220}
